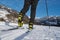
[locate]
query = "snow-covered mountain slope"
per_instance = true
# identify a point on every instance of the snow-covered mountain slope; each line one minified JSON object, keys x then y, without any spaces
{"x":3,"y":13}
{"x":39,"y":32}
{"x":11,"y":15}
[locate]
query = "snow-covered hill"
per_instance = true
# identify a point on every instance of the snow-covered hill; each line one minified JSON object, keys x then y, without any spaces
{"x":3,"y":13}
{"x":11,"y":15}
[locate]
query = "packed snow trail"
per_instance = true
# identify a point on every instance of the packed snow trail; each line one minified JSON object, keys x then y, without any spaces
{"x":42,"y":33}
{"x":10,"y":34}
{"x":13,"y":34}
{"x":38,"y":33}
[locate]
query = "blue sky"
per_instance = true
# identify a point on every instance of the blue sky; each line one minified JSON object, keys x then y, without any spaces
{"x":53,"y":7}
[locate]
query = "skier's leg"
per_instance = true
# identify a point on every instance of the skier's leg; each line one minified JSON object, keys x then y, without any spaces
{"x":33,"y":12}
{"x":22,"y":13}
{"x":25,"y":7}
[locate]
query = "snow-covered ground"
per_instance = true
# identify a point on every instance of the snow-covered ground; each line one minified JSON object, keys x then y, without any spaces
{"x":38,"y":33}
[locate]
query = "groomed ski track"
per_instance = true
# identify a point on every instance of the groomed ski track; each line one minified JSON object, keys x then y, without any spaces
{"x":38,"y":33}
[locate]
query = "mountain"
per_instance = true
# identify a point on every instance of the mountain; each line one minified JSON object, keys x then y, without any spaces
{"x":52,"y":20}
{"x":11,"y":15}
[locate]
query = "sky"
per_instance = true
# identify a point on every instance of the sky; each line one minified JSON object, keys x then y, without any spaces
{"x":53,"y":7}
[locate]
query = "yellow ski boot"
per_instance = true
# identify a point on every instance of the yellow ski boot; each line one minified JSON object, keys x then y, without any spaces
{"x":20,"y":22}
{"x":30,"y":26}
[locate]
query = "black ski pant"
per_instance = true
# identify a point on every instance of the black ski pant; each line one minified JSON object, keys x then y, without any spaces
{"x":27,"y":4}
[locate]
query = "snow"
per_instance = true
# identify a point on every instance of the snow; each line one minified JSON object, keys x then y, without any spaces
{"x":3,"y":13}
{"x":39,"y":32}
{"x":13,"y":34}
